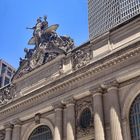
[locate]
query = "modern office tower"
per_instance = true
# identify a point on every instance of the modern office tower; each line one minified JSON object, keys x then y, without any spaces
{"x":6,"y":73}
{"x":106,"y":14}
{"x":129,"y":8}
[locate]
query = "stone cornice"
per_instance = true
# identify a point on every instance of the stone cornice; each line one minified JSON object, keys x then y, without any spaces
{"x":65,"y":82}
{"x":57,"y":105}
{"x":96,"y":89}
{"x":16,"y":122}
{"x":38,"y":69}
{"x":68,"y":101}
{"x":111,"y":83}
{"x":8,"y":125}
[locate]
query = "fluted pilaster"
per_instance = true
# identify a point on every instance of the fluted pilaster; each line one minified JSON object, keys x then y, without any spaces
{"x":58,"y":122}
{"x":8,"y":131}
{"x":70,"y":118}
{"x":65,"y":123}
{"x":98,"y":113}
{"x":114,"y":110}
{"x":70,"y":122}
{"x":16,"y":129}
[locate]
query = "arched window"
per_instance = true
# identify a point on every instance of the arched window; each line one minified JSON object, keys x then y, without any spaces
{"x":42,"y":132}
{"x":134,"y":117}
{"x":85,"y":118}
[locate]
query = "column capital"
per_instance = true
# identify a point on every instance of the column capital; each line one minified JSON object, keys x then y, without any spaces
{"x":68,"y":101}
{"x":58,"y":106}
{"x":8,"y":125}
{"x":110,"y":84}
{"x":16,"y":121}
{"x":96,"y":90}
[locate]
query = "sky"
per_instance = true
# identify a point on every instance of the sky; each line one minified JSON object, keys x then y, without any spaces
{"x":16,"y":15}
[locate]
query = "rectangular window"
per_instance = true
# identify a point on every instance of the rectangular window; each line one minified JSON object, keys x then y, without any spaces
{"x":9,"y":73}
{"x":3,"y":68}
{"x":7,"y":81}
{"x":1,"y":79}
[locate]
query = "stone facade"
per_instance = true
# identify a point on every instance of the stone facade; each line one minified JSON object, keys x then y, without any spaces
{"x":100,"y":78}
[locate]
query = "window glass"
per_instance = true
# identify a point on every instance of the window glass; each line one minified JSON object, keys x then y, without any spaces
{"x":134,"y":118}
{"x":1,"y":81}
{"x":7,"y":81}
{"x":85,"y":118}
{"x":3,"y":68}
{"x":41,"y":133}
{"x":9,"y":73}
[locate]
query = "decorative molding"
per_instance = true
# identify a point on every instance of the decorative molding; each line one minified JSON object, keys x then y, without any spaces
{"x":96,"y":89}
{"x":80,"y":106}
{"x":57,"y":105}
{"x":32,"y":126}
{"x":8,"y":125}
{"x":37,"y":118}
{"x":82,"y":95}
{"x":7,"y":94}
{"x":80,"y":58}
{"x":112,"y":83}
{"x":68,"y":101}
{"x":50,"y":89}
{"x":16,"y":121}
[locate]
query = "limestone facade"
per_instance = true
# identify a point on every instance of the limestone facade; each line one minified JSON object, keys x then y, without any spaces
{"x":101,"y":76}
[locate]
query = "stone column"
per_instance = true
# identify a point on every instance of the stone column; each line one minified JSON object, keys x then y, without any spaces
{"x":8,"y":131}
{"x":125,"y":129}
{"x":116,"y":132}
{"x":70,"y":116}
{"x":16,"y":130}
{"x":98,"y":114}
{"x":58,"y":123}
{"x":64,"y":123}
{"x":2,"y":134}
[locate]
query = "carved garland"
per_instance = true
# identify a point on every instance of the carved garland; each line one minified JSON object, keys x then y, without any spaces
{"x":81,"y":105}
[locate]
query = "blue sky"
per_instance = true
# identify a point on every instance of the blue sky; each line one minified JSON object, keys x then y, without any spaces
{"x":16,"y":15}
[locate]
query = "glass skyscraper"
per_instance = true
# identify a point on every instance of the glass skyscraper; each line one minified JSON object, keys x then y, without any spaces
{"x":105,"y":14}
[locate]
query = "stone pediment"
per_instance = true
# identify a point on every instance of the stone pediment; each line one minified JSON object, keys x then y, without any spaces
{"x":48,"y":45}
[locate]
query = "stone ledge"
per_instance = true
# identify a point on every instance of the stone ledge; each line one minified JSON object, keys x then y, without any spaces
{"x":6,"y":111}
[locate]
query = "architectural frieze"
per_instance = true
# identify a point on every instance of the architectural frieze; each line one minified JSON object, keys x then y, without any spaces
{"x":49,"y":90}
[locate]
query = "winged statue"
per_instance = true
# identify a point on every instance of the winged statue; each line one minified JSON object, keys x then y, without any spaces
{"x":47,"y":45}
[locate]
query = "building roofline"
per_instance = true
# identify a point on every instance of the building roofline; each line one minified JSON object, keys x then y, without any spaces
{"x":9,"y":65}
{"x":124,"y":23}
{"x":82,"y":45}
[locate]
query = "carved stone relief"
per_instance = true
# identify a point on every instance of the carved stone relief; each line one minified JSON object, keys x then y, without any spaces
{"x":80,"y":58}
{"x":7,"y":94}
{"x":47,"y":46}
{"x":81,"y":105}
